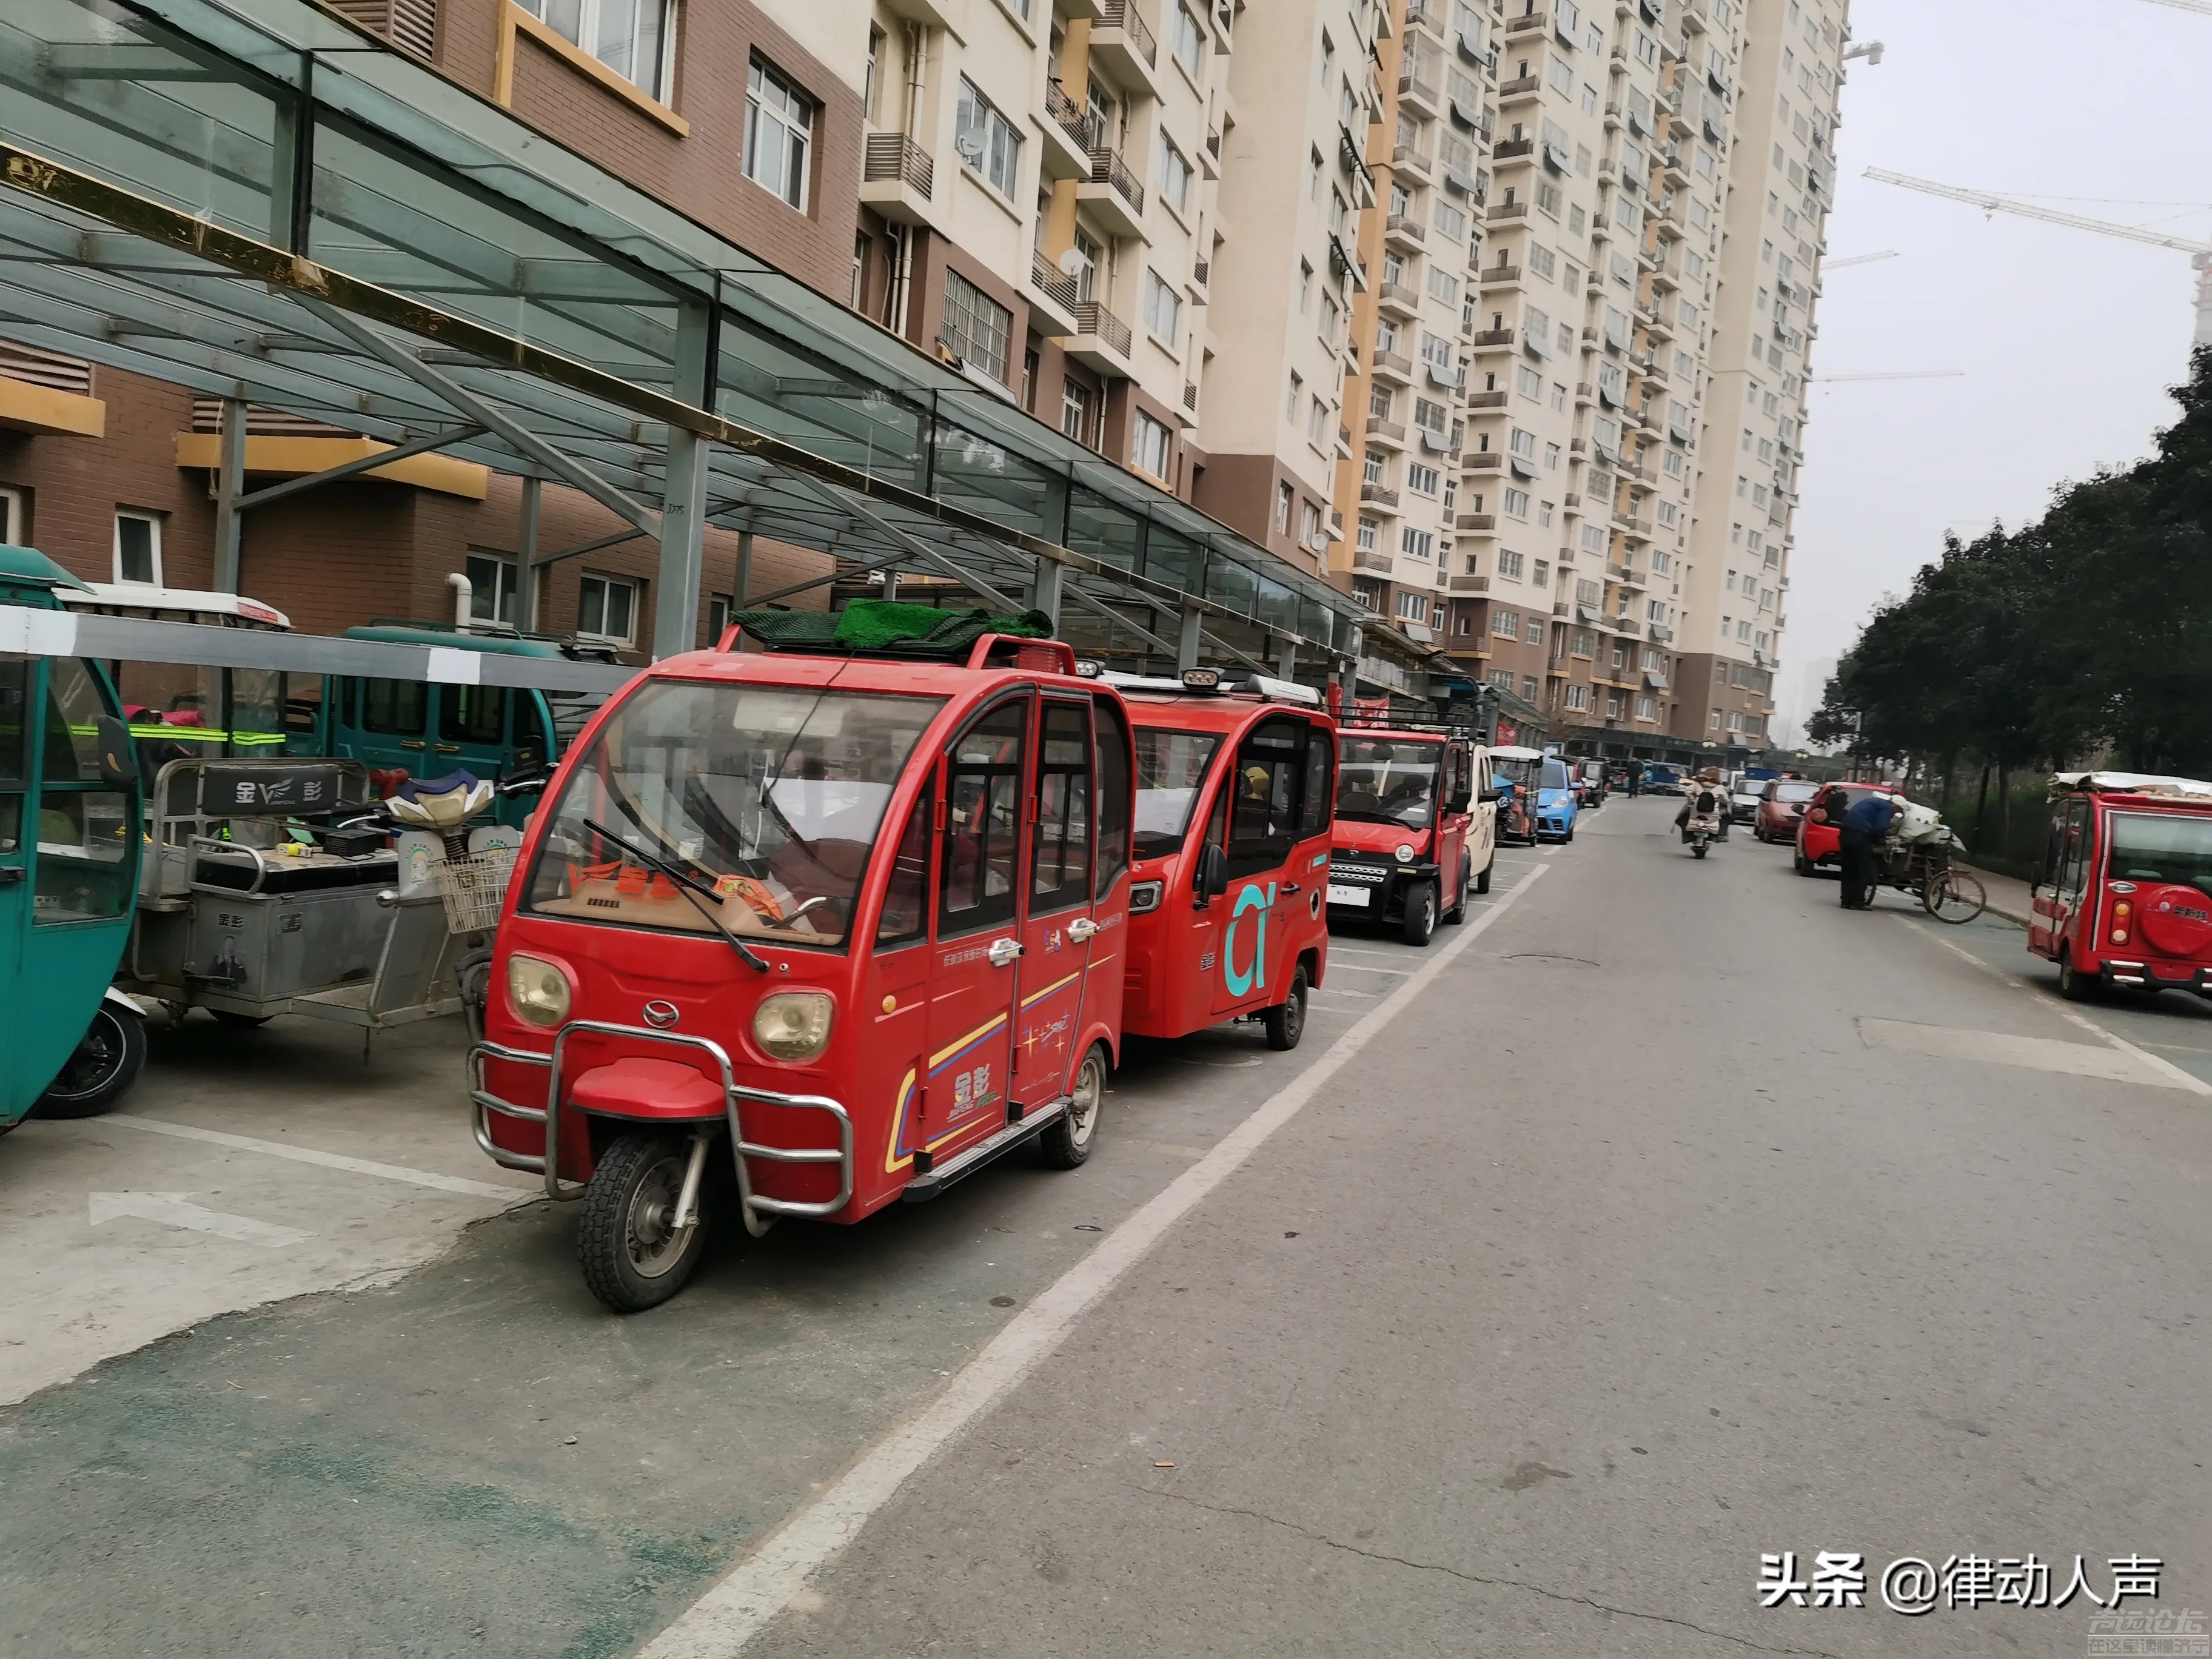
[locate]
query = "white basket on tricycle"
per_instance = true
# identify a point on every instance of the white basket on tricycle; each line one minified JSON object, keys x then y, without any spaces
{"x":474,"y":887}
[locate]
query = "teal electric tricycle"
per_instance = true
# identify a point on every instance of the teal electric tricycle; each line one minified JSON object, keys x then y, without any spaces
{"x":69,"y":838}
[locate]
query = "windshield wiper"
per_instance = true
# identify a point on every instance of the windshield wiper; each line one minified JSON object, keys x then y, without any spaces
{"x":687,"y":883}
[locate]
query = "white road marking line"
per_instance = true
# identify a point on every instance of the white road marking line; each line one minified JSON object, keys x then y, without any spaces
{"x":1362,"y":967}
{"x":2183,"y":1080}
{"x":173,"y":1210}
{"x":2002,"y":1049}
{"x":327,"y":1160}
{"x":1336,"y":950}
{"x":736,"y":1609}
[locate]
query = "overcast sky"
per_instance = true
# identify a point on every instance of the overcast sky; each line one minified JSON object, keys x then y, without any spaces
{"x":2067,"y":339}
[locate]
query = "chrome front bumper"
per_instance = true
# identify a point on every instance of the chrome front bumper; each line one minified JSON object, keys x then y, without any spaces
{"x":483,"y":1103}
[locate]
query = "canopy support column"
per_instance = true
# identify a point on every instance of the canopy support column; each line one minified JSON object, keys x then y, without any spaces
{"x":684,"y":504}
{"x":1051,"y":582}
{"x":741,"y":587}
{"x":1193,"y":630}
{"x":525,"y":556}
{"x":229,"y":487}
{"x":1071,"y":591}
{"x":1287,"y":660}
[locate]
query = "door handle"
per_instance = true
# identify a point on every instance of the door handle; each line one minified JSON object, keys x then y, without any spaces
{"x":1291,"y":887}
{"x":10,"y":874}
{"x":410,"y":743}
{"x":1004,"y":951}
{"x":1082,"y":929}
{"x":446,"y":748}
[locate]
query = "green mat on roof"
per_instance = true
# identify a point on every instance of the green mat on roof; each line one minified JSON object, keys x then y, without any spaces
{"x":920,"y":631}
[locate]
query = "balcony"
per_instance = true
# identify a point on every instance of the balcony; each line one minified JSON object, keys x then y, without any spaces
{"x":1513,"y":149}
{"x":1051,"y":296}
{"x":1483,"y":460}
{"x":1068,"y":136}
{"x":897,"y":179}
{"x":1102,"y":341}
{"x":1492,"y":339}
{"x":1404,"y":231}
{"x":1521,"y":89}
{"x":1482,"y":521}
{"x":1368,"y":558}
{"x":1419,"y":94}
{"x":1532,"y":24}
{"x":1585,"y":395}
{"x":1470,"y":583}
{"x":1209,"y":155}
{"x":1391,"y":433}
{"x":1397,"y":298}
{"x":1479,"y":401}
{"x":1123,"y":45}
{"x":1113,"y":193}
{"x":1377,"y":495}
{"x":1389,"y":365}
{"x":1500,"y":276}
{"x":1508,"y":212}
{"x":1202,"y":272}
{"x":1408,"y":158}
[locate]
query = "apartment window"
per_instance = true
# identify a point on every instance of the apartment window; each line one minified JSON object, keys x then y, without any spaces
{"x":12,"y":528}
{"x":1647,"y":708}
{"x":1510,"y":565}
{"x":492,"y":587}
{"x":1173,"y":172}
{"x":1310,"y":523}
{"x":1412,"y":607}
{"x":1371,"y":470}
{"x":1506,"y":625}
{"x":1186,"y":41}
{"x":1527,"y":382}
{"x":1296,"y":396}
{"x":779,"y":132}
{"x":606,"y":609}
{"x":1329,"y":314}
{"x":1365,"y":535}
{"x":1431,"y":416}
{"x":1522,"y":443}
{"x":1516,"y":503}
{"x":1443,"y":286}
{"x":1163,"y":309}
{"x":1543,"y":510}
{"x":1528,"y":681}
{"x":137,"y":548}
{"x":1655,"y":610}
{"x":1075,"y":412}
{"x":1305,"y":286}
{"x":1317,"y":421}
{"x":1312,"y":175}
{"x":1502,"y":679}
{"x":1578,"y":697}
{"x":872,"y":73}
{"x":1421,"y":479}
{"x":1436,"y":352}
{"x":630,"y":37}
{"x":978,"y":330}
{"x":1451,"y":222}
{"x":1148,"y":448}
{"x":987,"y":142}
{"x":1283,"y":495}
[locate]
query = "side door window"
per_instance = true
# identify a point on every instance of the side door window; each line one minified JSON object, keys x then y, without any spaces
{"x":472,"y":720}
{"x":396,"y":711}
{"x":82,"y":872}
{"x":2076,"y":849}
{"x":14,"y":750}
{"x":979,"y":856}
{"x":1263,"y":791}
{"x":1060,"y":847}
{"x":904,"y":916}
{"x":1318,"y":789}
{"x":1116,"y":804}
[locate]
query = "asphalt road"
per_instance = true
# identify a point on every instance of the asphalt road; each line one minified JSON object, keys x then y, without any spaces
{"x":1682,"y":1219}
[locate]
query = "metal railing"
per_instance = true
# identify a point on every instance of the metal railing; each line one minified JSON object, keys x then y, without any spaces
{"x":1107,"y":168}
{"x":1092,"y":318}
{"x":1069,"y":116}
{"x":1053,"y":282}
{"x":893,"y":155}
{"x":1123,"y":15}
{"x":1380,"y":495}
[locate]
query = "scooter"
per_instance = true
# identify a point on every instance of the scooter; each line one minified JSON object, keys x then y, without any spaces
{"x":1707,"y":818}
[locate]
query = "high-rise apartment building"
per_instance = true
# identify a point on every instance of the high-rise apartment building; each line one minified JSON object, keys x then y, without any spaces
{"x":1782,"y":177}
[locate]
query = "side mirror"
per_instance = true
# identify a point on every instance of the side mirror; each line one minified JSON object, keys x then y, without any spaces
{"x":1459,"y":802}
{"x":1211,"y":877}
{"x":118,"y":759}
{"x":1491,"y":794}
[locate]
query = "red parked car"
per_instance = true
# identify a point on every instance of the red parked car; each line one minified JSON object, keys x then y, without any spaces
{"x":1820,"y":831}
{"x":2123,"y":893}
{"x":1781,"y":803}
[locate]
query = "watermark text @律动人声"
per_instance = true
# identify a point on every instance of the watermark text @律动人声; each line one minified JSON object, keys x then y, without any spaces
{"x":1916,"y":1586}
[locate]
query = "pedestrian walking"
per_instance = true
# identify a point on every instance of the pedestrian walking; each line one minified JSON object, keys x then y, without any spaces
{"x":1864,"y":827}
{"x":1634,"y":778}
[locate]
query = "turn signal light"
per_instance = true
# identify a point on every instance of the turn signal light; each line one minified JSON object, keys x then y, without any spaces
{"x":793,"y":1024}
{"x":2122,"y":913}
{"x":537,"y":990}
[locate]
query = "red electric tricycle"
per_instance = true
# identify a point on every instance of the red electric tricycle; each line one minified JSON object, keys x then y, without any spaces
{"x":2123,"y":893}
{"x":1416,"y":825}
{"x":1235,"y":783}
{"x":851,"y":920}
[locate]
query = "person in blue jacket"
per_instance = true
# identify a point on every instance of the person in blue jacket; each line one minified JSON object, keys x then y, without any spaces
{"x":1865,"y":826}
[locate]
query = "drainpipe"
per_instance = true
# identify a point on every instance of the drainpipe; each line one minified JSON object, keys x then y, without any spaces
{"x":464,"y":592}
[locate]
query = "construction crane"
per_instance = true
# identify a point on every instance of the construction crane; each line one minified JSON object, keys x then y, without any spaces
{"x":1827,"y":265}
{"x":2201,"y":8}
{"x":1895,"y":375}
{"x":2200,"y":252}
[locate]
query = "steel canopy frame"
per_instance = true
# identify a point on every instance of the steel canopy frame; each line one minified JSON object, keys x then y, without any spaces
{"x":311,"y":220}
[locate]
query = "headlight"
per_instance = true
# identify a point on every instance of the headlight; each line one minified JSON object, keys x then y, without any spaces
{"x":1404,"y":854}
{"x":537,"y":991}
{"x":1145,"y":895}
{"x":793,"y":1024}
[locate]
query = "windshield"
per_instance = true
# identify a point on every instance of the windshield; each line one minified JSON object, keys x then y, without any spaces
{"x":773,"y":798}
{"x":1522,"y":772}
{"x":1792,"y":793}
{"x":1170,"y":769}
{"x":2160,"y":847}
{"x":1387,"y":780}
{"x":1552,"y":775}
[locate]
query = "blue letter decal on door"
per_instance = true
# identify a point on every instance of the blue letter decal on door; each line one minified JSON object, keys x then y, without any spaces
{"x":1252,"y":898}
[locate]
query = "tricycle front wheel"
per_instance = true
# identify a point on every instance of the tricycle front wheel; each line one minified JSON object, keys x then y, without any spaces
{"x":633,"y":1256}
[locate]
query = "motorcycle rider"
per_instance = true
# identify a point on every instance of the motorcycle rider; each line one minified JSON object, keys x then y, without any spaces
{"x":1708,"y":780}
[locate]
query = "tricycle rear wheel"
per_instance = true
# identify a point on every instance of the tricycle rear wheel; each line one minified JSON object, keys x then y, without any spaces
{"x":1067,"y":1140}
{"x":100,"y":1069}
{"x":1286,"y":1020}
{"x":632,"y":1257}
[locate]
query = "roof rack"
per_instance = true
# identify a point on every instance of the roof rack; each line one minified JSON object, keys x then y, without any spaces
{"x":1392,"y":723}
{"x":576,"y":650}
{"x":1206,"y":682}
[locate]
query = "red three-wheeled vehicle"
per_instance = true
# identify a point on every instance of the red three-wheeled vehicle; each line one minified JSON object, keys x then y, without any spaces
{"x":844,"y":924}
